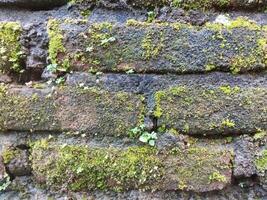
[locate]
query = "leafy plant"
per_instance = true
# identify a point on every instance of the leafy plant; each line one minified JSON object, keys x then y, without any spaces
{"x":6,"y":183}
{"x":148,"y":138}
{"x":151,"y":15}
{"x":107,"y":41}
{"x":143,"y":135}
{"x":130,"y":71}
{"x":52,"y":68}
{"x":60,"y":81}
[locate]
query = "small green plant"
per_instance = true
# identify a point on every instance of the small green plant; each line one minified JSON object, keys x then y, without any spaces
{"x":151,"y":15}
{"x":60,"y":81}
{"x":55,"y":68}
{"x":228,"y":123}
{"x":5,"y":183}
{"x":106,"y":41}
{"x":52,"y":68}
{"x":130,"y":71}
{"x":143,"y":135}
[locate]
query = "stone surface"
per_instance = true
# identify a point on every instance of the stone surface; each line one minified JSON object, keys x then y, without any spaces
{"x":33,"y":4}
{"x":225,"y":109}
{"x":89,"y":110}
{"x":245,"y":150}
{"x":3,"y":173}
{"x":124,"y":63}
{"x":157,"y":48}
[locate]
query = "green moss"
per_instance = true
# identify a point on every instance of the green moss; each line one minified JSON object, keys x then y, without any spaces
{"x":209,"y":110}
{"x":217,"y":177}
{"x":160,"y":95}
{"x":10,"y":48}
{"x":136,"y":167}
{"x":210,"y":67}
{"x":158,"y":110}
{"x":259,"y":135}
{"x":261,"y":161}
{"x":152,"y":44}
{"x":9,"y":154}
{"x":25,"y":112}
{"x":228,"y":90}
{"x":228,"y":123}
{"x":56,"y":46}
{"x":100,"y":34}
{"x":83,"y":168}
{"x":239,"y":22}
{"x":199,"y":159}
{"x":201,"y":4}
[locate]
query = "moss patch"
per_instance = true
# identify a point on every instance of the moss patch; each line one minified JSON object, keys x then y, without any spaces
{"x":9,"y":154}
{"x":99,"y":168}
{"x":261,"y":161}
{"x":222,"y":109}
{"x":56,"y":47}
{"x":10,"y":48}
{"x":163,"y":47}
{"x":79,"y":168}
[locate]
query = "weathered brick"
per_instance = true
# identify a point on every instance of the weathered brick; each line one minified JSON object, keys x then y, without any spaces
{"x":89,"y":110}
{"x":80,"y":168}
{"x":211,"y":109}
{"x":158,"y":47}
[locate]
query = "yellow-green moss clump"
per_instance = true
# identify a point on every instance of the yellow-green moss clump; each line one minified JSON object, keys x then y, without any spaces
{"x":79,"y":168}
{"x":261,"y":162}
{"x":10,"y":48}
{"x":9,"y":154}
{"x":201,"y":4}
{"x":56,"y":47}
{"x":245,"y":61}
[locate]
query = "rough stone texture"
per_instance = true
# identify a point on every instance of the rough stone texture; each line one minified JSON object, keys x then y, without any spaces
{"x":71,"y":140}
{"x":2,"y":171}
{"x":158,"y":48}
{"x":245,"y":150}
{"x":33,"y":4}
{"x":212,"y":110}
{"x":70,"y":109}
